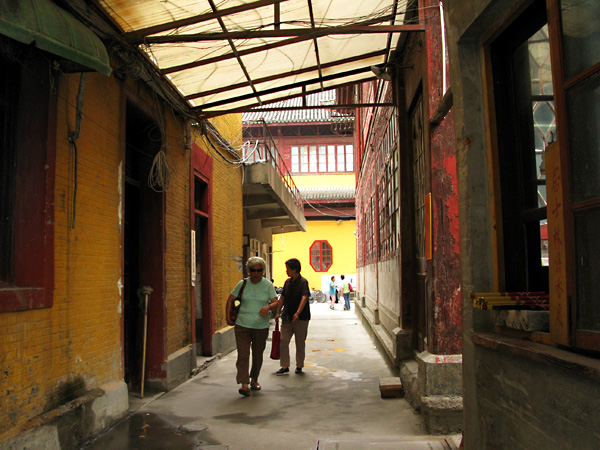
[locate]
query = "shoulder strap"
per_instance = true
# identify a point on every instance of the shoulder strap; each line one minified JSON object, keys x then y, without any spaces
{"x":242,"y":289}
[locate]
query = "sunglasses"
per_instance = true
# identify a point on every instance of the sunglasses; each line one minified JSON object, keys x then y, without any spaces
{"x":256,"y":270}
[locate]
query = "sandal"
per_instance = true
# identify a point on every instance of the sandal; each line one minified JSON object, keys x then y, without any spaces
{"x":244,"y":390}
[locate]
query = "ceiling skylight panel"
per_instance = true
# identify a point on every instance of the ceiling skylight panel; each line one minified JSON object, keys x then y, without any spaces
{"x":222,"y":96}
{"x":340,"y":12}
{"x":208,"y":77}
{"x":352,"y":66}
{"x":280,"y":60}
{"x":137,"y":14}
{"x":331,"y":47}
{"x":294,"y":14}
{"x":254,"y":19}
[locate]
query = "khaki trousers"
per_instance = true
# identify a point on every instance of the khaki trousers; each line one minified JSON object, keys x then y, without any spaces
{"x":244,"y":339}
{"x":299,"y":330}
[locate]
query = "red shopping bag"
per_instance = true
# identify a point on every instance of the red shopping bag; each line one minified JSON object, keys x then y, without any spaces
{"x":275,"y":341}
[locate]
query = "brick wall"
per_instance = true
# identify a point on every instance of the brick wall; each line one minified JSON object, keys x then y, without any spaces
{"x":52,"y":355}
{"x":227,"y":215}
{"x":179,"y":321}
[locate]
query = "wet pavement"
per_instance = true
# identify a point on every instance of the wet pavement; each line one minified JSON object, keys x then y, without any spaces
{"x":335,"y":404}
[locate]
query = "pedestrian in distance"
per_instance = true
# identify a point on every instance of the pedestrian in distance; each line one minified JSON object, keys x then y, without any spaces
{"x":346,"y":293}
{"x":252,"y":323}
{"x":332,"y":290}
{"x":295,"y":316}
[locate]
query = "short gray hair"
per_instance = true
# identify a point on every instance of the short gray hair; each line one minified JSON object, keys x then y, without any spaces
{"x":254,"y":260}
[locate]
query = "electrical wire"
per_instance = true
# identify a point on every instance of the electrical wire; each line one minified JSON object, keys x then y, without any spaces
{"x":340,"y":213}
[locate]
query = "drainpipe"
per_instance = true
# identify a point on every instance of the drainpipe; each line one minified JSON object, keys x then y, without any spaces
{"x":73,"y":136}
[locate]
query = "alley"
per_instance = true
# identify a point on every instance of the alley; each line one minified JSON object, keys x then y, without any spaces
{"x":334,"y":404}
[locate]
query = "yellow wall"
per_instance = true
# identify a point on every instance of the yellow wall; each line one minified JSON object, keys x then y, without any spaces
{"x":177,"y":217}
{"x":333,"y":180}
{"x":48,"y":355}
{"x":227,"y":216}
{"x":340,"y":236}
{"x":52,"y":355}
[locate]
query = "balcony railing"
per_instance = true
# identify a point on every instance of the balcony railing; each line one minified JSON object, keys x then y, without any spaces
{"x":263,"y":150}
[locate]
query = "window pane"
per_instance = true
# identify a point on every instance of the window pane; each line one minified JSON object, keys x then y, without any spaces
{"x":581,"y":34}
{"x":539,"y":62}
{"x":322,"y":158}
{"x":313,"y":158}
{"x":314,"y":257}
{"x":587,"y":224}
{"x":303,"y":159}
{"x":583,"y":110}
{"x":295,"y":160}
{"x":544,"y":242}
{"x":340,"y":158}
{"x":349,"y":158}
{"x":331,"y":158}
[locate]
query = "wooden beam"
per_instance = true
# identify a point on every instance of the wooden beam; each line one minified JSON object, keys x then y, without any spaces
{"x":443,"y":108}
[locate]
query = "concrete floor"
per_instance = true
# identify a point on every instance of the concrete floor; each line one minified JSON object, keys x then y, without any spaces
{"x":335,"y":404}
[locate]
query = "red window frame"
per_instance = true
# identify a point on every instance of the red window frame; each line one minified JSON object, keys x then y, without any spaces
{"x":29,"y":281}
{"x":323,"y":253}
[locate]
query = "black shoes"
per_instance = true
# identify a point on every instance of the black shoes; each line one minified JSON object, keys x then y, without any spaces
{"x":285,"y":371}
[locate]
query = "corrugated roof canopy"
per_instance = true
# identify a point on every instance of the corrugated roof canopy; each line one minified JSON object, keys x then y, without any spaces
{"x":233,"y":54}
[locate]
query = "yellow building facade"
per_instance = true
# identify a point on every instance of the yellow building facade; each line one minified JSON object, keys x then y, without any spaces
{"x":324,"y":223}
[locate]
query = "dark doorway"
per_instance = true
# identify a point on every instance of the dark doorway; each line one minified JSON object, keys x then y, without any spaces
{"x":143,"y":248}
{"x":202,"y":291}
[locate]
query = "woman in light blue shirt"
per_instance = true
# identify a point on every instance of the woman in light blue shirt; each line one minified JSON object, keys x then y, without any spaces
{"x":332,"y":290}
{"x":252,"y":323}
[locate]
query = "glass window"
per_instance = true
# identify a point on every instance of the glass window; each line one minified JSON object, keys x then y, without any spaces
{"x":295,"y":159}
{"x":313,"y":158}
{"x":580,"y":35}
{"x":331,"y":158}
{"x":587,"y":224}
{"x":349,"y":158}
{"x":303,"y":159}
{"x":322,"y":158}
{"x":340,"y":158}
{"x":321,"y":256}
{"x":583,"y":105}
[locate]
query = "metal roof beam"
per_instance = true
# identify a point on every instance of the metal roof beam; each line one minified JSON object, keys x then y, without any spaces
{"x":287,"y":74}
{"x":315,"y":43}
{"x":138,"y":36}
{"x":287,"y":87}
{"x":235,"y":51}
{"x":257,"y":49}
{"x":336,"y":106}
{"x":248,"y":108}
{"x":309,"y":33}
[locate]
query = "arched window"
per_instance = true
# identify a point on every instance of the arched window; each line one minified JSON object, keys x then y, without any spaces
{"x":321,"y":256}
